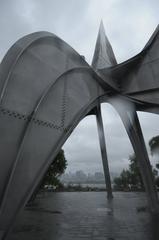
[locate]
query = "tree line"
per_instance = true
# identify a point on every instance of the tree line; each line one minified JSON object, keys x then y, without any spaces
{"x":130,"y":179}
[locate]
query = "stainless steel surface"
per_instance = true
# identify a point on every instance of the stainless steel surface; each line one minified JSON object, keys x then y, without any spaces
{"x":103,"y":152}
{"x":130,"y":120}
{"x":103,"y":57}
{"x":46,"y":88}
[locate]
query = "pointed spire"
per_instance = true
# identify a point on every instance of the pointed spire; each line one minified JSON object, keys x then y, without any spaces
{"x":103,"y":54}
{"x":101,"y":27}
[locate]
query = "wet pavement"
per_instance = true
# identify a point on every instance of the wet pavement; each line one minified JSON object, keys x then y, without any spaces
{"x":86,"y":215}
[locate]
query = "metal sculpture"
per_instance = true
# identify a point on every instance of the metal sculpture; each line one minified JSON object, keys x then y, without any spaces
{"x":46,"y":88}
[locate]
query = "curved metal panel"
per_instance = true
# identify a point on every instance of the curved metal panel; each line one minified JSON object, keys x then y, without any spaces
{"x":46,"y":88}
{"x":44,"y":138}
{"x":29,"y":67}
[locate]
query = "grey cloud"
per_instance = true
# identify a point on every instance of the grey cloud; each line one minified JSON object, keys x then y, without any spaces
{"x":129,"y":24}
{"x":83,"y":150}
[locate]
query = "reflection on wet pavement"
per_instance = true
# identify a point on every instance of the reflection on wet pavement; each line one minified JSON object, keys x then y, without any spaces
{"x":87,"y":215}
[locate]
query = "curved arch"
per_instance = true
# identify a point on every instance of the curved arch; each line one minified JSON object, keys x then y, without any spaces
{"x":53,"y":139}
{"x":59,"y":90}
{"x":33,"y":115}
{"x":15,"y":114}
{"x":6,"y":221}
{"x":15,"y":53}
{"x":128,"y":115}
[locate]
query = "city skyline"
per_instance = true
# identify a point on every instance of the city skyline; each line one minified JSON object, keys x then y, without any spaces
{"x":82,"y":177}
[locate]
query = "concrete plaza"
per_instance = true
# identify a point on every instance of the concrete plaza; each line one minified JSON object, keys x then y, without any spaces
{"x":86,"y":215}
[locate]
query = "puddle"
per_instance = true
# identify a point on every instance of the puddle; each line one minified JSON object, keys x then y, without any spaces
{"x":106,"y":210}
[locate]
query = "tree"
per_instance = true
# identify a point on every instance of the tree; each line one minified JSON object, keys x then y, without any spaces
{"x":154,"y":147}
{"x":123,"y":181}
{"x":131,"y":178}
{"x":136,"y":179}
{"x":56,"y":168}
{"x":154,"y":144}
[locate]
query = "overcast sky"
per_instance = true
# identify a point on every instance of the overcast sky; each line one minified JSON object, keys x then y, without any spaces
{"x":128,"y":24}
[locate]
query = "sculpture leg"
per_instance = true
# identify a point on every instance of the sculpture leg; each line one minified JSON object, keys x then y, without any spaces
{"x":132,"y":126}
{"x":103,"y":152}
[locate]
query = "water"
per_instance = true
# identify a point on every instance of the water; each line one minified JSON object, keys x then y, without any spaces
{"x":91,"y":185}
